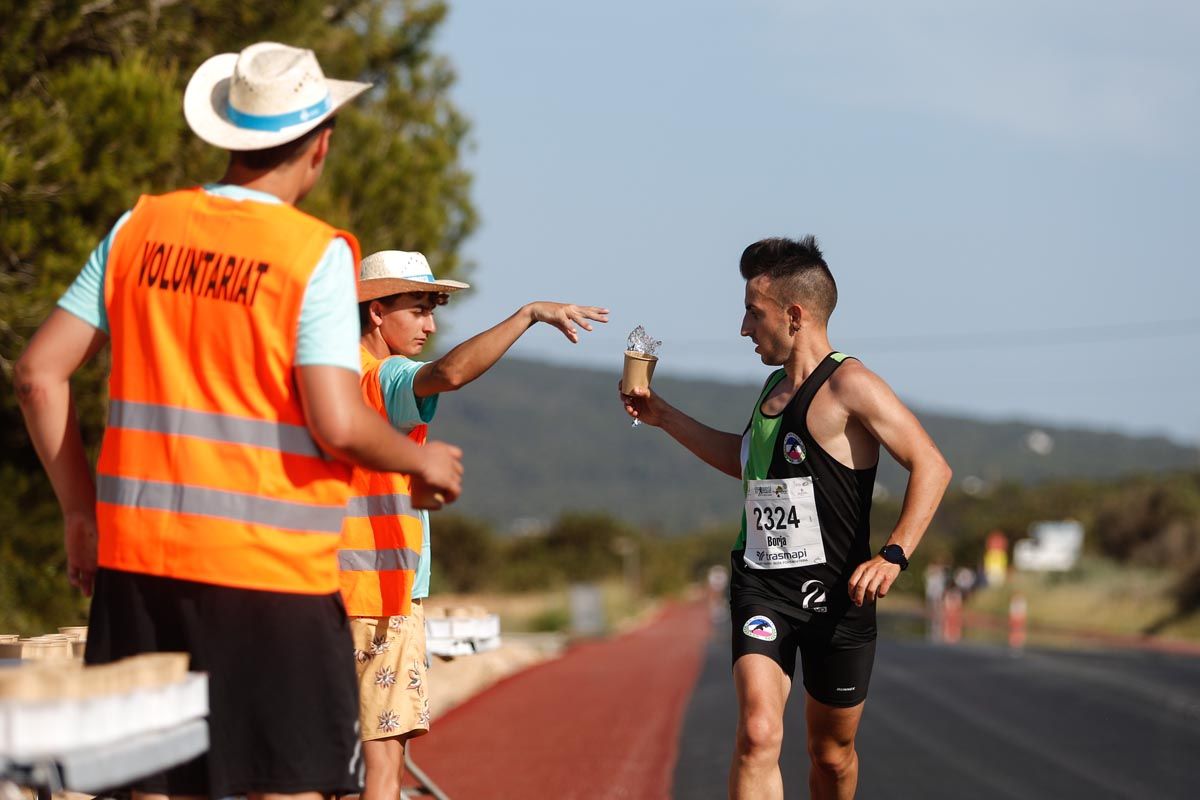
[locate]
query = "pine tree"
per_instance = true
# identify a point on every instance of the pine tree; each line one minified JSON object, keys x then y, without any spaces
{"x":91,"y":117}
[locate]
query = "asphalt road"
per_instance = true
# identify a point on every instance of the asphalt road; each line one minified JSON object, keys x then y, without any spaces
{"x":977,"y":721}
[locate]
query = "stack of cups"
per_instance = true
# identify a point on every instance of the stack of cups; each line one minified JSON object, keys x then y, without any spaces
{"x":78,"y":636}
{"x":51,"y":647}
{"x":10,"y":646}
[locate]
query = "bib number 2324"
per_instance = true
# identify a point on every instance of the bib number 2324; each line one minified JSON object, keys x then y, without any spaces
{"x":782,"y":529}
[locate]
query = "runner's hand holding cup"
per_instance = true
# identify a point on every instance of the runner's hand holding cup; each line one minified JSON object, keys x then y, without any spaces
{"x":641,"y":404}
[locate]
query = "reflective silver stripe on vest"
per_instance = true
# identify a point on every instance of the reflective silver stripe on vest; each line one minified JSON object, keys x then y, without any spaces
{"x":377,"y":560}
{"x":220,"y":504}
{"x":381,"y":505}
{"x":282,"y":436}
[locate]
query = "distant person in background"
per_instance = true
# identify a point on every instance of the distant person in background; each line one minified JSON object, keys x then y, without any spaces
{"x":965,"y":580}
{"x":718,"y":593}
{"x":804,"y":577}
{"x":936,"y":578}
{"x":385,"y":551}
{"x":233,"y":411}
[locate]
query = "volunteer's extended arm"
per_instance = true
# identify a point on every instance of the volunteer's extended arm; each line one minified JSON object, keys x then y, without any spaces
{"x":42,"y":378}
{"x":347,"y":429}
{"x":718,"y":449}
{"x":477,"y":355}
{"x":871,"y":401}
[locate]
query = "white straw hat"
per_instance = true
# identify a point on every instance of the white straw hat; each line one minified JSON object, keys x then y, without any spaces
{"x":391,"y":272}
{"x":264,"y":96}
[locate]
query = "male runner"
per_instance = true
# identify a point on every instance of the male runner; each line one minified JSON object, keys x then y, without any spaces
{"x":213,"y":524}
{"x":384,"y":537}
{"x":803,"y":573}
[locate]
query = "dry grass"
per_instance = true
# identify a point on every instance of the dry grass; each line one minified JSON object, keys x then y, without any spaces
{"x":549,"y":610}
{"x":1100,"y":596}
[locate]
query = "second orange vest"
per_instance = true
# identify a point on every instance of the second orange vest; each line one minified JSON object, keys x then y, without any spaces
{"x":381,"y":535}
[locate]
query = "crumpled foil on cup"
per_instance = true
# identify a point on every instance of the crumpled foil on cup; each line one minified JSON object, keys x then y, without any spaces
{"x":641,"y":342}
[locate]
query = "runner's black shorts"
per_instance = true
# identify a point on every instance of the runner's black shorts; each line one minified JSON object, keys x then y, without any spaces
{"x":837,"y":667}
{"x":283,"y":702}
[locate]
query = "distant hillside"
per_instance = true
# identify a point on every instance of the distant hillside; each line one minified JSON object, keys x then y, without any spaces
{"x":540,"y":439}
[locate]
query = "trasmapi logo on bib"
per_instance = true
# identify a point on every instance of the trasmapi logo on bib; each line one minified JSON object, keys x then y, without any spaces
{"x":760,"y":627}
{"x":793,"y":449}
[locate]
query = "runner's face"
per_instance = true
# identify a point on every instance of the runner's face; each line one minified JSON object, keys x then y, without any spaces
{"x":766,"y":323}
{"x":408,"y":323}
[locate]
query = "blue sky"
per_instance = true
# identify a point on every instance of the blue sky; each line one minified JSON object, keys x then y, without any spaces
{"x":1005,"y":191}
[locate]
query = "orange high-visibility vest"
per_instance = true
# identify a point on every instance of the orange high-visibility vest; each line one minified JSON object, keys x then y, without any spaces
{"x":207,"y":471}
{"x":381,"y":535}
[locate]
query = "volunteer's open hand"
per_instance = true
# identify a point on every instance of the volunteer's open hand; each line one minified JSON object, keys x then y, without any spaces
{"x":567,"y":317}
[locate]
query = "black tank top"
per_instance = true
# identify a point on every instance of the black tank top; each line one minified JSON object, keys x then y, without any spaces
{"x":817,"y":593}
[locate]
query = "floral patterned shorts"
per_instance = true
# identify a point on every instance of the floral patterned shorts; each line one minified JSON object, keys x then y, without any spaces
{"x":389,"y":656}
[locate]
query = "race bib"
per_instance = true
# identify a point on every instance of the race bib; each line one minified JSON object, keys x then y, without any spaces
{"x":782,"y":529}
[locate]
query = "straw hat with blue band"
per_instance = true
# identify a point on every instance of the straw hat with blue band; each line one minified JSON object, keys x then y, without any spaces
{"x":391,"y":272}
{"x":267,"y":95}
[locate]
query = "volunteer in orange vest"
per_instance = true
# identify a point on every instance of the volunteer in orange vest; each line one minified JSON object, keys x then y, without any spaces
{"x":385,"y":554}
{"x":222,"y":482}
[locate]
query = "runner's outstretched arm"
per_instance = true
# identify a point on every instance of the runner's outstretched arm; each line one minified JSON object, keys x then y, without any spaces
{"x":872,"y":402}
{"x":348,"y":430}
{"x":477,"y":355}
{"x":718,"y":449}
{"x":43,"y":381}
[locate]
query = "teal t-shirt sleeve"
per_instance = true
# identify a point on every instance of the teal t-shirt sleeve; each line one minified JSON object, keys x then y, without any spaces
{"x":85,"y":296}
{"x":404,"y":408}
{"x":329,"y":329}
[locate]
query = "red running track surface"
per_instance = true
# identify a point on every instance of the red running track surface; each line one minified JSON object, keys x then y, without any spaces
{"x":600,"y":722}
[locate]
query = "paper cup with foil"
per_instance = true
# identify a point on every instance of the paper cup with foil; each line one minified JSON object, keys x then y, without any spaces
{"x":639,"y":369}
{"x":641,"y":356}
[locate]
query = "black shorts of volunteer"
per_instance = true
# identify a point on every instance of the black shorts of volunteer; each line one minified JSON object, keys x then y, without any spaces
{"x":283,"y":702}
{"x":836,"y":661}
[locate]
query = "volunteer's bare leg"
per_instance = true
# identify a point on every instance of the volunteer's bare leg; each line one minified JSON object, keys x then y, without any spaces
{"x":833,"y":774}
{"x":384,"y":759}
{"x":762,"y":691}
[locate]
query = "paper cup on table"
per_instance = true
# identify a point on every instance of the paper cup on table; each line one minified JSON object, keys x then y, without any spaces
{"x":639,"y":369}
{"x":45,"y":649}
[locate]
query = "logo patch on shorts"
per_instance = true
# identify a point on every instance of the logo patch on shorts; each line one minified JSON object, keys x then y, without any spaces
{"x":793,"y":449}
{"x":760,"y":627}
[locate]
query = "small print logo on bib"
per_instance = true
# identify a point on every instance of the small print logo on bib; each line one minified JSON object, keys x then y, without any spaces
{"x":814,"y":597}
{"x":760,"y":627}
{"x":793,"y":449}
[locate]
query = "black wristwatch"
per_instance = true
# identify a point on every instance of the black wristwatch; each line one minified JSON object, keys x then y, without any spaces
{"x":894,"y":553}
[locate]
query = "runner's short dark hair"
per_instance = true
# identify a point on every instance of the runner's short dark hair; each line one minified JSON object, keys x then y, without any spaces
{"x":274,"y":157}
{"x":364,"y":309}
{"x":797,"y":270}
